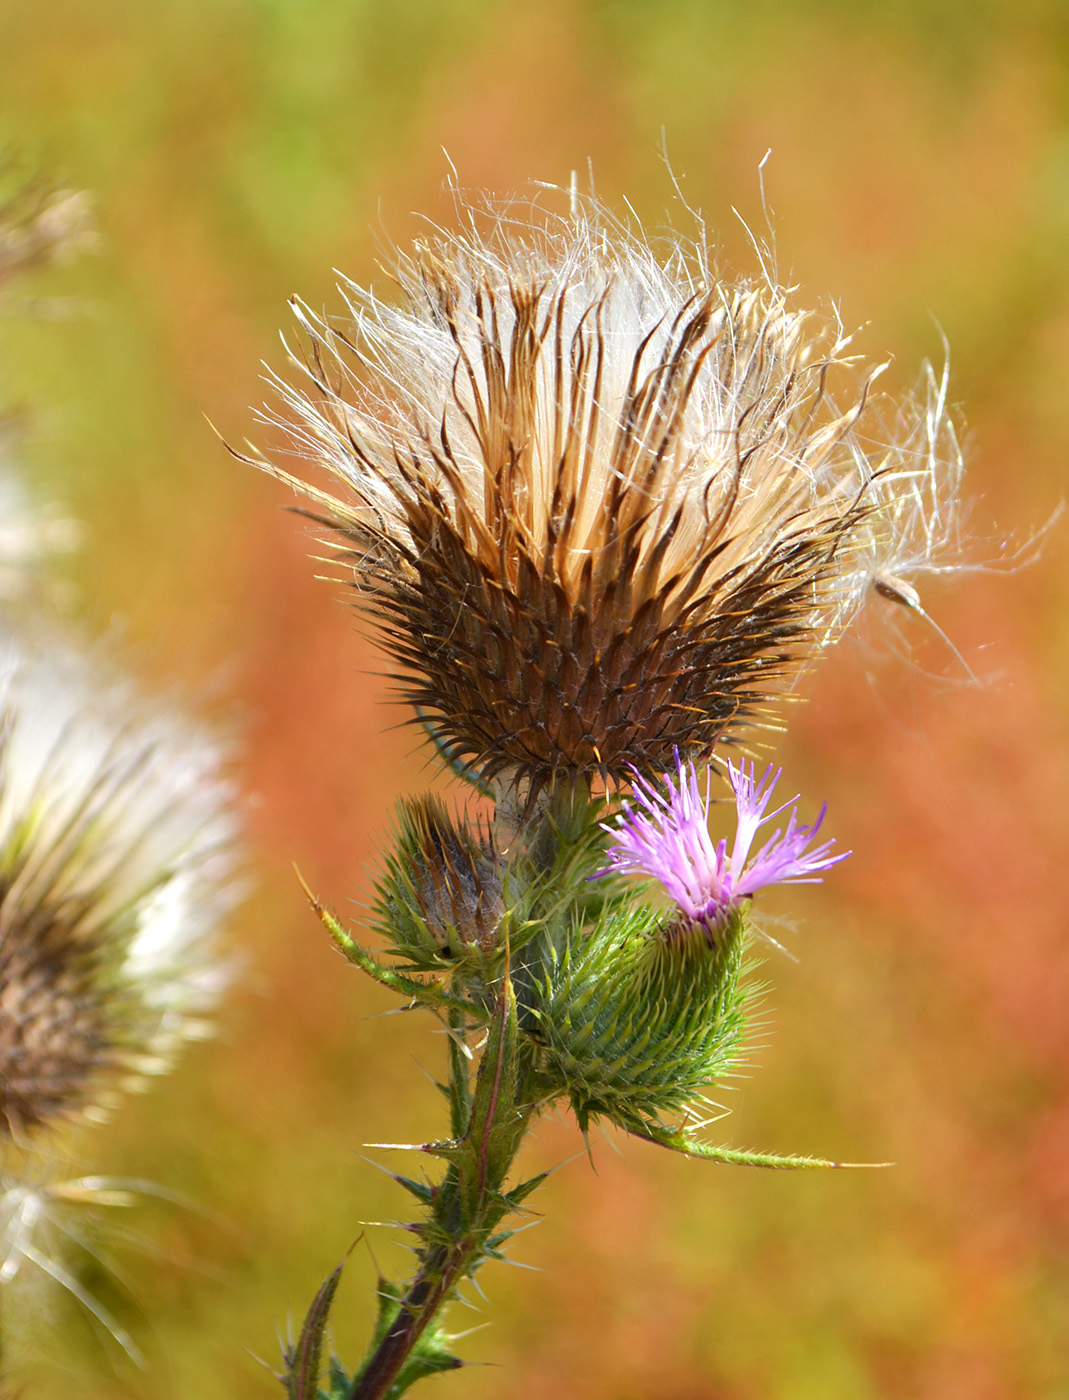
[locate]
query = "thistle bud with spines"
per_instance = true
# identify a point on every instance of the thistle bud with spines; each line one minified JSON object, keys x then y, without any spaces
{"x":636,"y":1020}
{"x":440,"y":901}
{"x":642,"y":1010}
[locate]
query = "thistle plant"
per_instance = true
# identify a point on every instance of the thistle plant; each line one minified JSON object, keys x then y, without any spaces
{"x":40,"y":223}
{"x":604,"y":506}
{"x":116,"y":866}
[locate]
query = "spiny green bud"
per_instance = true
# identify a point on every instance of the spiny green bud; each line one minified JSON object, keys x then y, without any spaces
{"x":441,"y":896}
{"x":639,"y":1014}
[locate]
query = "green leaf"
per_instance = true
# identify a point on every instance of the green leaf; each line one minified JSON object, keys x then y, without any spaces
{"x":301,"y":1376}
{"x":340,"y":1381}
{"x":519,"y":1193}
{"x":680,"y":1141}
{"x":430,"y":1357}
{"x":422,"y":993}
{"x":422,"y":1190}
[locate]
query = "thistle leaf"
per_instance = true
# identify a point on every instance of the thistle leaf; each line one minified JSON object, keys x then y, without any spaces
{"x":519,"y":1194}
{"x":340,"y":1381}
{"x":422,"y":1190}
{"x":302,"y":1362}
{"x":422,"y":993}
{"x":679,"y":1141}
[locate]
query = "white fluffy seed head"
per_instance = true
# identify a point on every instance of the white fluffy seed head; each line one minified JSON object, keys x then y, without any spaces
{"x":116,"y":860}
{"x":32,"y":533}
{"x":604,"y":500}
{"x":40,"y":224}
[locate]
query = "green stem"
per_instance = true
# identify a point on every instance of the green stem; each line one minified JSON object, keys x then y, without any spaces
{"x":430,"y":1291}
{"x":459,"y":1073}
{"x":470,"y":1204}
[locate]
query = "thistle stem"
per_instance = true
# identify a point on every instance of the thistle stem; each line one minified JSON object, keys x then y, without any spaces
{"x":466,"y":1210}
{"x":430,"y":1291}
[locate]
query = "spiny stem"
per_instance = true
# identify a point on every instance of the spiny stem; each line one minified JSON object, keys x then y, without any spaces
{"x":470,"y":1204}
{"x":460,"y":1073}
{"x":430,"y":1290}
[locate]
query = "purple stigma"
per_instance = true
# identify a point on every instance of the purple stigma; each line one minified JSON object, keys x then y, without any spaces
{"x":665,"y":835}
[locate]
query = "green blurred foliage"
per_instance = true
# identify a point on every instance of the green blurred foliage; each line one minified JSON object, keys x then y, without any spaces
{"x":237,"y":151}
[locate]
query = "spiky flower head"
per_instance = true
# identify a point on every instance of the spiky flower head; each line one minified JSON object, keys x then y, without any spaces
{"x":664,"y":834}
{"x":603,"y":501}
{"x":441,"y":896}
{"x":115,"y":867}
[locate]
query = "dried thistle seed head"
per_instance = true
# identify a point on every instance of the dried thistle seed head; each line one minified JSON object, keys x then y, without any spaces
{"x":115,"y":865}
{"x":442,"y":894}
{"x":603,"y":501}
{"x":31,"y":532}
{"x":39,"y":224}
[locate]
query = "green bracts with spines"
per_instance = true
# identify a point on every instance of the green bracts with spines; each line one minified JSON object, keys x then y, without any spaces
{"x":635,"y":1019}
{"x":439,"y":901}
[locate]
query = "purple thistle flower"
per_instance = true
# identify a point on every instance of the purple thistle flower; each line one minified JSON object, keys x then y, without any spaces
{"x":666,"y":835}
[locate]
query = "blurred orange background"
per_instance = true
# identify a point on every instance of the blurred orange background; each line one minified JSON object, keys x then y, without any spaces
{"x":237,"y":151}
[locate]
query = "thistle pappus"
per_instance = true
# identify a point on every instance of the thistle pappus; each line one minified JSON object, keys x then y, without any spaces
{"x":604,"y":502}
{"x":116,"y":867}
{"x":116,"y":844}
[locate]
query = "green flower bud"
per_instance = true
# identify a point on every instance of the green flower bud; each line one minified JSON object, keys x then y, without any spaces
{"x":638,"y":1015}
{"x":441,"y":896}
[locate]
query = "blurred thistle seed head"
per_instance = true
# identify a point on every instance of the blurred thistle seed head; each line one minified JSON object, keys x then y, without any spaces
{"x":40,"y":223}
{"x":441,"y":897}
{"x":116,"y":856}
{"x":663,"y":834}
{"x":31,"y":532}
{"x":56,"y":1226}
{"x":604,"y":502}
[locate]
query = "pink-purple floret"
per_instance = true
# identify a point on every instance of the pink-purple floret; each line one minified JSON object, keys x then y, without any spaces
{"x":665,"y":834}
